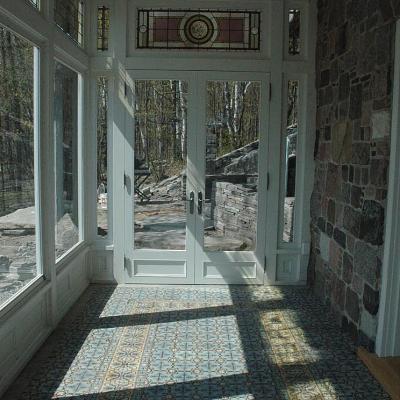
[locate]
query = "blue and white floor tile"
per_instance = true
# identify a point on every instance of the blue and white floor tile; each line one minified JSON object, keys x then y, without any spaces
{"x":159,"y":343}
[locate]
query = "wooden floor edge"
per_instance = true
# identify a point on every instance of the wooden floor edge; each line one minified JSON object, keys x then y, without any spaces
{"x":385,"y":370}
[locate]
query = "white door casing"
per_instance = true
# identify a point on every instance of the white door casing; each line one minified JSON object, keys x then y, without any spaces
{"x":194,"y":265}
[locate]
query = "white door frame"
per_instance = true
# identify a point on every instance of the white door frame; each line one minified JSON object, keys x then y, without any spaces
{"x":234,"y":267}
{"x":152,"y":265}
{"x":388,"y":336}
{"x":194,"y":264}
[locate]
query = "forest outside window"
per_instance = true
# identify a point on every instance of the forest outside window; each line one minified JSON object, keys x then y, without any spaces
{"x":294,"y":32}
{"x":103,"y":28}
{"x":290,"y":139}
{"x":19,"y":263}
{"x":66,"y":158}
{"x":102,"y":156}
{"x":69,"y":15}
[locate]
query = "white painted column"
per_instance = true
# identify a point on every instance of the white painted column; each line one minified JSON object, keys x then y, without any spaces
{"x":388,"y":336}
{"x":118,"y":43}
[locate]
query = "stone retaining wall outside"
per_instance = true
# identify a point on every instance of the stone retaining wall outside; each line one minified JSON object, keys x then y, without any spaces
{"x":235,"y":210}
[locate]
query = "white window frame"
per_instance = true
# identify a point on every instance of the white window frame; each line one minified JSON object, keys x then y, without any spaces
{"x":37,"y":43}
{"x":36,"y":25}
{"x":108,"y":239}
{"x":80,"y":156}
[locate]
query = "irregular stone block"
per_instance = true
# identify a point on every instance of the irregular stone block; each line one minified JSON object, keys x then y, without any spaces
{"x":335,"y":257}
{"x":344,"y":86}
{"x":347,"y":268}
{"x":379,"y":172}
{"x":340,"y":237}
{"x":352,"y":305}
{"x":357,"y":284}
{"x":333,"y":181}
{"x":352,"y":220}
{"x":324,"y":246}
{"x":339,"y":293}
{"x":369,"y":324}
{"x":371,"y":299}
{"x":355,"y":101}
{"x":331,"y":211}
{"x":341,"y":142}
{"x":365,"y":262}
{"x":361,"y":153}
{"x":4,"y":264}
{"x":381,"y":124}
{"x":15,"y":232}
{"x":372,"y":222}
{"x":356,"y":196}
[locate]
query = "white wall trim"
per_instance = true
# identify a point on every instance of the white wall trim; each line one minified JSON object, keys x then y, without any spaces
{"x":388,"y":337}
{"x":32,"y":319}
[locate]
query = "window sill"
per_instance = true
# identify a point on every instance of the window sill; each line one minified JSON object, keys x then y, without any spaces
{"x":23,"y":296}
{"x":103,"y":245}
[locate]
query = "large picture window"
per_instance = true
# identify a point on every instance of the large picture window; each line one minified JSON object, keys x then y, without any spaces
{"x":66,"y":158}
{"x":18,"y":211}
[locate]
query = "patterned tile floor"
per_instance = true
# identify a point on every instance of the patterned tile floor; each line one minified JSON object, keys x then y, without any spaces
{"x":196,"y":343}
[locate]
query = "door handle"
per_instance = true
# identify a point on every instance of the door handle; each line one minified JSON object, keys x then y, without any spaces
{"x":191,"y":202}
{"x":200,"y":203}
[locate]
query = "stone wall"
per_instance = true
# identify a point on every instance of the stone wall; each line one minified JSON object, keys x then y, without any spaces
{"x":235,"y":211}
{"x":354,"y":87}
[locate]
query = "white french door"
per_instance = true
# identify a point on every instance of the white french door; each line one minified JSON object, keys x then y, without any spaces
{"x":196,"y":177}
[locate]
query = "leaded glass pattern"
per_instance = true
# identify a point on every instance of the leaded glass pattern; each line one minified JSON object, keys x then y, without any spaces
{"x":68,"y":15}
{"x":294,"y":32}
{"x":198,"y":29}
{"x":103,"y":28}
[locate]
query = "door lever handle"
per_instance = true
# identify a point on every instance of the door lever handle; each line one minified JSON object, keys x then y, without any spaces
{"x":200,"y":203}
{"x":191,"y":202}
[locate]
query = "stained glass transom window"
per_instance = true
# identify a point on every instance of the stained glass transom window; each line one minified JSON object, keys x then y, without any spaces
{"x":198,"y":29}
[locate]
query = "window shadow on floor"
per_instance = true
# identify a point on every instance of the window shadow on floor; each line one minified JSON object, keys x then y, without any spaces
{"x":290,"y":348}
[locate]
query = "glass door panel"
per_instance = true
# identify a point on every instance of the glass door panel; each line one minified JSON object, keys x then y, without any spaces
{"x":160,"y":164}
{"x":231,"y":184}
{"x":231,"y":178}
{"x":196,"y":188}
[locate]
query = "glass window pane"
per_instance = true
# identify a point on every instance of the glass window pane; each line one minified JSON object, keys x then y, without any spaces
{"x":290,"y":149}
{"x":160,"y":164}
{"x":68,"y":15}
{"x":231,"y":193}
{"x":35,"y":3}
{"x":226,"y":30}
{"x":294,"y":32}
{"x":103,"y":28}
{"x":66,"y":158}
{"x":102,"y":121}
{"x":18,"y":262}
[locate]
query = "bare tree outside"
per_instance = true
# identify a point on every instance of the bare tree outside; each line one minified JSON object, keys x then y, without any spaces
{"x":18,"y":264}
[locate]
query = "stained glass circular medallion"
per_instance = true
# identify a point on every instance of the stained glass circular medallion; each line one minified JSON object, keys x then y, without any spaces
{"x":198,"y":29}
